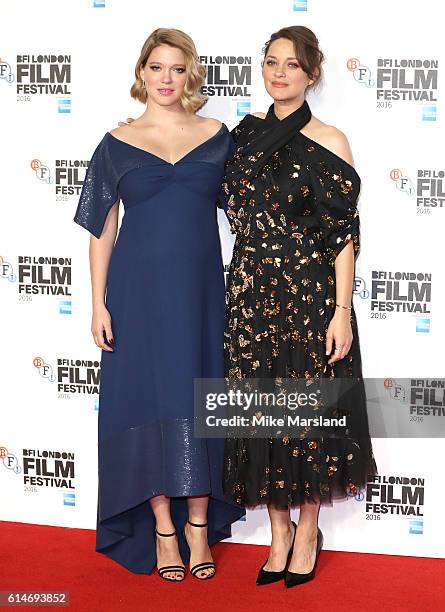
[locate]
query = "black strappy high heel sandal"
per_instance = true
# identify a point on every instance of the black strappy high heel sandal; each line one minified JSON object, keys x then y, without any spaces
{"x":170,"y":568}
{"x":199,"y":566}
{"x":268,"y":577}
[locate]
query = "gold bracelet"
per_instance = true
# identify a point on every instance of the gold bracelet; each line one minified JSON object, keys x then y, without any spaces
{"x":346,"y":307}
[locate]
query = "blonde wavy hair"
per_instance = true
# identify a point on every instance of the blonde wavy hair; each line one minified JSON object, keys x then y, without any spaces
{"x":192,"y":99}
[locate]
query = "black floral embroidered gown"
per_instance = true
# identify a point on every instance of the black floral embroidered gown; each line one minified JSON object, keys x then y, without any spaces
{"x":292,"y":204}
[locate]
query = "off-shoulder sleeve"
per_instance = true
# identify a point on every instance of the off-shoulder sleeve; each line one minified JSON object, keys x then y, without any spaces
{"x":99,"y":191}
{"x":337,"y":187}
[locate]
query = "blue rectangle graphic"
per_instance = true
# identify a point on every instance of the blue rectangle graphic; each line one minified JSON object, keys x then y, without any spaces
{"x":64,"y":105}
{"x":300,"y":5}
{"x":65,"y":307}
{"x":423,"y":325}
{"x":243,"y":108}
{"x":429,"y":113}
{"x":69,"y":499}
{"x":416,"y":527}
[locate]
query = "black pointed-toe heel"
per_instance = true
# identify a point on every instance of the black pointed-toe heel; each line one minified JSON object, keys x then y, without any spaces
{"x":199,"y":567}
{"x":267,"y":577}
{"x":292,"y":579}
{"x":170,"y":568}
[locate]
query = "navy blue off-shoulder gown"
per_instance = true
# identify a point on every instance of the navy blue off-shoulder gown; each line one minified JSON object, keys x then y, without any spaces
{"x":165,"y":295}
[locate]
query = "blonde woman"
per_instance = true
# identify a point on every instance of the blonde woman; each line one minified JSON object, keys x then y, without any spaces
{"x":158,"y":316}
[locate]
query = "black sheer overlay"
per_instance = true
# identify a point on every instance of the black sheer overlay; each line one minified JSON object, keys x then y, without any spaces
{"x":292,"y":204}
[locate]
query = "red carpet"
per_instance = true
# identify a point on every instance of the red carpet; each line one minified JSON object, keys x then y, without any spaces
{"x":53,"y":558}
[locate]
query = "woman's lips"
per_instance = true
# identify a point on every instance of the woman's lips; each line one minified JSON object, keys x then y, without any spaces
{"x":279,"y":84}
{"x":165,"y":91}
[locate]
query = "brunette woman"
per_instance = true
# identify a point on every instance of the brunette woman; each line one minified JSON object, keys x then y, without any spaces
{"x":292,"y":202}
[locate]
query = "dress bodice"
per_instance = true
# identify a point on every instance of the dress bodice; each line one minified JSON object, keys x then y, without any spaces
{"x":119,"y":170}
{"x":302,"y":188}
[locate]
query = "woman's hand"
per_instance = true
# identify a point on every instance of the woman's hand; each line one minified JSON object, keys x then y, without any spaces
{"x":129,"y":120}
{"x":101,"y":324}
{"x":340,"y":334}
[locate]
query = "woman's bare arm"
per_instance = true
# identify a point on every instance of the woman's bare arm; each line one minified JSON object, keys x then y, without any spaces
{"x":100,"y":252}
{"x":339,"y":331}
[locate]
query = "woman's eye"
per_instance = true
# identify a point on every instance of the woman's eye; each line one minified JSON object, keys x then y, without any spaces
{"x":155,"y":68}
{"x":270,"y":62}
{"x":294,"y":65}
{"x":180,"y":70}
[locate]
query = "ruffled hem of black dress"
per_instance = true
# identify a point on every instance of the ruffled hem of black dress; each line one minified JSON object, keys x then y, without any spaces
{"x":290,"y":472}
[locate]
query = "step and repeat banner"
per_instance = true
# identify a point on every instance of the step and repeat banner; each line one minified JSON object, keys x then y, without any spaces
{"x":65,"y":73}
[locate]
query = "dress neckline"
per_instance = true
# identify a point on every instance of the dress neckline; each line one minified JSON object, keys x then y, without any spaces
{"x":221,"y":129}
{"x":300,"y":115}
{"x":271,"y":116}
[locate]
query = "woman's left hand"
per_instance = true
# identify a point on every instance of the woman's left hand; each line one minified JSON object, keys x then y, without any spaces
{"x":339,"y":336}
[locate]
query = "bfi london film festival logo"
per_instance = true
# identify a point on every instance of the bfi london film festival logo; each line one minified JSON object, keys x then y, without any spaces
{"x":49,"y":276}
{"x":229,"y":76}
{"x":38,"y":75}
{"x":9,"y":460}
{"x":396,"y":496}
{"x":7,"y":271}
{"x":400,"y":81}
{"x":73,"y":377}
{"x":400,"y":293}
{"x":359,"y":288}
{"x":427,"y":188}
{"x":67,"y":176}
{"x":6,"y":73}
{"x":45,"y":469}
{"x":420,"y":397}
{"x":45,"y":276}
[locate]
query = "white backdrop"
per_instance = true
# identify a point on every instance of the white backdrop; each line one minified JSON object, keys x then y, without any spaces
{"x":65,"y":74}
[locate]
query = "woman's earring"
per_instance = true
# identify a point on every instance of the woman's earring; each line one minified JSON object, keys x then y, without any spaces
{"x":143,"y":83}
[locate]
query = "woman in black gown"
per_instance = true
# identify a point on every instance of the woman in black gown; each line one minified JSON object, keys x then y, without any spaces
{"x":292,"y":195}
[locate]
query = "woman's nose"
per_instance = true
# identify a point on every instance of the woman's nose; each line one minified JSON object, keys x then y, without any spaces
{"x":166,"y":77}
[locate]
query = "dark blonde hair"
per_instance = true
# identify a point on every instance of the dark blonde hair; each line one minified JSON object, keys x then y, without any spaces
{"x":306,"y":48}
{"x":191,"y":99}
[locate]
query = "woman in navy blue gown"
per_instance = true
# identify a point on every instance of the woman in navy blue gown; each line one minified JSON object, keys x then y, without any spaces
{"x":158,"y":316}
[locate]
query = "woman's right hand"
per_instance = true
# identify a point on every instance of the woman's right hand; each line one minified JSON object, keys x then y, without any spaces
{"x":100,"y":325}
{"x":129,"y":120}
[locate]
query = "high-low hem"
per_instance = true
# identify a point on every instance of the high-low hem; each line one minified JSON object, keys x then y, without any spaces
{"x":145,"y":462}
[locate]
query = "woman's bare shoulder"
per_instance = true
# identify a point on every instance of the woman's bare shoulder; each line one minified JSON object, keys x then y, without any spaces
{"x":122,"y":131}
{"x":209,"y":125}
{"x":331,"y":138}
{"x":210,"y":121}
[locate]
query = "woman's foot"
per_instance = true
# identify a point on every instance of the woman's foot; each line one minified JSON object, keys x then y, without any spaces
{"x":282,"y":538}
{"x":305,"y":549}
{"x":167,"y":554}
{"x":199,"y":548}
